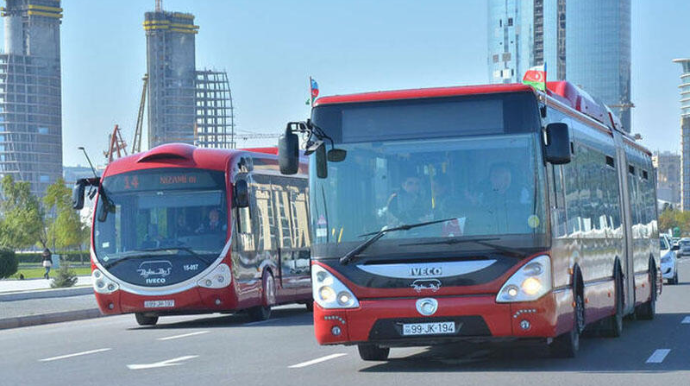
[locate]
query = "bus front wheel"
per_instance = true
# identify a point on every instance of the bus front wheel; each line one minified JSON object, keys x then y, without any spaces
{"x":144,"y":320}
{"x":372,"y":352}
{"x":568,"y":344}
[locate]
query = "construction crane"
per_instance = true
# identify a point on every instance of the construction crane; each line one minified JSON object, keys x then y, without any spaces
{"x":136,"y":144}
{"x":116,"y":145}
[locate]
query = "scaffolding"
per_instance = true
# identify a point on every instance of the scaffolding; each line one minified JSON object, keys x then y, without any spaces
{"x":215,"y":121}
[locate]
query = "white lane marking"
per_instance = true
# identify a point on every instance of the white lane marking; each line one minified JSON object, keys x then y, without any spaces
{"x":260,"y":322}
{"x":317,"y":360}
{"x":658,"y":356}
{"x":74,"y":355}
{"x":169,"y":362}
{"x":184,"y":335}
{"x":686,"y":320}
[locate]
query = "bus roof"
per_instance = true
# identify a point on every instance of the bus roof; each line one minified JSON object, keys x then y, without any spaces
{"x":423,"y":93}
{"x":181,"y":155}
{"x":562,"y":91}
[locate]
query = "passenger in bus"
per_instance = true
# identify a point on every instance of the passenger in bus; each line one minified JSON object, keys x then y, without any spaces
{"x":408,"y":206}
{"x":181,"y":227}
{"x":214,"y":224}
{"x":448,"y":204}
{"x":505,"y":200}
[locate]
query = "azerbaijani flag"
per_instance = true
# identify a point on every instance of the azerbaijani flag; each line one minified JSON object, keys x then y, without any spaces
{"x":314,"y":89}
{"x":536,"y":77}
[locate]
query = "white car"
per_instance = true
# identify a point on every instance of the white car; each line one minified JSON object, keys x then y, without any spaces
{"x":669,"y":261}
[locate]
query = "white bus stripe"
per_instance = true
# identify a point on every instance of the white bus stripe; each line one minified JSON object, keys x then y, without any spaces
{"x":317,"y":360}
{"x":74,"y":355}
{"x":183,"y":335}
{"x":686,"y":320}
{"x":658,"y":356}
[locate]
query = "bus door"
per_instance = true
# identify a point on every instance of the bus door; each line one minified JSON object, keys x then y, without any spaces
{"x":626,"y":215}
{"x":291,"y":218}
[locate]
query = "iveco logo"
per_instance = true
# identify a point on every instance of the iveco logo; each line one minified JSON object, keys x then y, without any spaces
{"x":425,"y":271}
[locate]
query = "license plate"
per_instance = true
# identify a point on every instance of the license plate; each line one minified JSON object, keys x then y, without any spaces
{"x":159,"y":303}
{"x":429,"y":328}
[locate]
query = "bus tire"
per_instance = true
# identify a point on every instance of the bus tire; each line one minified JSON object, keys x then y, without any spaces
{"x":268,"y":299}
{"x":647,"y":310}
{"x":310,"y":306}
{"x":144,"y":320}
{"x":372,"y":352}
{"x":613,"y":325}
{"x":568,"y":344}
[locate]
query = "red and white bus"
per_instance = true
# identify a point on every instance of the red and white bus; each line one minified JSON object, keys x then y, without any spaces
{"x":183,"y":230}
{"x":483,"y":212}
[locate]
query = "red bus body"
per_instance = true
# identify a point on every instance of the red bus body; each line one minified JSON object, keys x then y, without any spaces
{"x":608,"y":258}
{"x":244,"y":272}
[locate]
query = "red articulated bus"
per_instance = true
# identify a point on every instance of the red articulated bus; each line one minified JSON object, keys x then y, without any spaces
{"x":184,"y":230}
{"x":470,"y":213}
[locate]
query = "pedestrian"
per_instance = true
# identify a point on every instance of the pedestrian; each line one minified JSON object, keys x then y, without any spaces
{"x":47,"y":262}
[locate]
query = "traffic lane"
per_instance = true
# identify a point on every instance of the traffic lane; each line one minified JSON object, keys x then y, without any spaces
{"x":267,"y":352}
{"x":229,"y":346}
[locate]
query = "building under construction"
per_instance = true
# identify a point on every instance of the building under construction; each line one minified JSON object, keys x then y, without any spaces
{"x":185,"y":105}
{"x":30,"y":93}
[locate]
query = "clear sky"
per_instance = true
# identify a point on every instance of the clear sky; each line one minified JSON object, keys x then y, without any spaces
{"x":270,"y":48}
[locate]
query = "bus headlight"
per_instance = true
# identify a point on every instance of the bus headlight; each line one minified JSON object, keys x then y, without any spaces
{"x":529,"y":283}
{"x":329,"y":292}
{"x":102,"y":284}
{"x":220,"y":277}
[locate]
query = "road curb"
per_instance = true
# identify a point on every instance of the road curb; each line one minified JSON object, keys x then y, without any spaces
{"x":46,"y":294}
{"x":57,"y":317}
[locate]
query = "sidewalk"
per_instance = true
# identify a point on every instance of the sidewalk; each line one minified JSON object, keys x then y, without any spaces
{"x":33,"y":302}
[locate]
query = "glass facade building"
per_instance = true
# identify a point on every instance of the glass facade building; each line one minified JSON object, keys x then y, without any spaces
{"x":598,"y":51}
{"x":684,"y":133}
{"x":30,"y":93}
{"x":586,"y":42}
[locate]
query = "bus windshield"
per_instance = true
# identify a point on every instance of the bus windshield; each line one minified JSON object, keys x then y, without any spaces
{"x":484,"y":185}
{"x":161,"y":212}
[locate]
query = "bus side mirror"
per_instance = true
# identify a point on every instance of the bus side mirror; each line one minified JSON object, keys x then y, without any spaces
{"x":78,"y":195}
{"x":557,"y":143}
{"x":241,"y":194}
{"x":321,"y":164}
{"x":337,"y":155}
{"x":288,"y":152}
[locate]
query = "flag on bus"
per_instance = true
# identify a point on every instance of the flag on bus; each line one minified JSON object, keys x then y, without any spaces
{"x":536,"y":77}
{"x":314,"y":89}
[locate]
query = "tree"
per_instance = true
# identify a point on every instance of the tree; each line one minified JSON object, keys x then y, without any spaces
{"x":22,"y":222}
{"x":65,"y":230}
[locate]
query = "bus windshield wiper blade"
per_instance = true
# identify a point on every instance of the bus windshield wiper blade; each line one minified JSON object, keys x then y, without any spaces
{"x":481,"y":241}
{"x":147,"y":252}
{"x":377,"y":235}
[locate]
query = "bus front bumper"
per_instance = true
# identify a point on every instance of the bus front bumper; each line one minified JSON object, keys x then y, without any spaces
{"x":191,"y":301}
{"x":381,"y":321}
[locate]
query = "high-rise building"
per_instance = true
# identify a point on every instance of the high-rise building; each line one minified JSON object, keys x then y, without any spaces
{"x":185,"y":105}
{"x":667,"y":167}
{"x":30,"y":93}
{"x":586,"y":42}
{"x":684,"y":133}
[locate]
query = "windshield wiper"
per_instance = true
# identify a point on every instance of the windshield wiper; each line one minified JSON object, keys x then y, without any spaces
{"x":377,"y":235}
{"x":481,"y":241}
{"x":147,"y":252}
